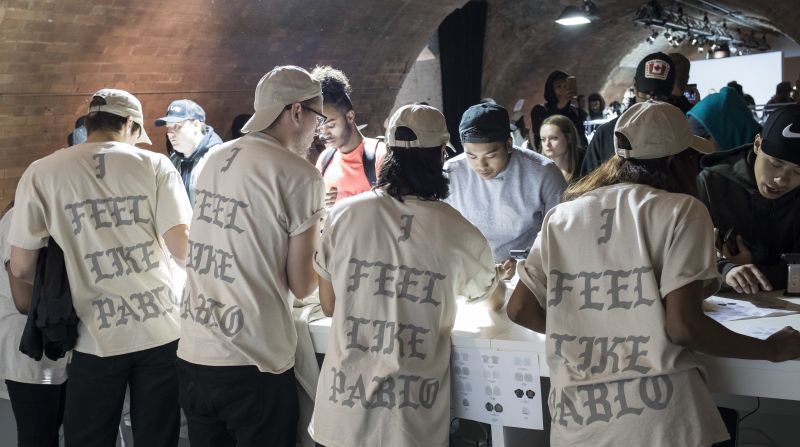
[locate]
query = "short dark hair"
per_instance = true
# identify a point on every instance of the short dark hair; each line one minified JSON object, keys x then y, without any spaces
{"x":414,"y":171}
{"x":104,"y":121}
{"x":335,"y":85}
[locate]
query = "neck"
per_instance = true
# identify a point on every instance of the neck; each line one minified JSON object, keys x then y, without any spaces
{"x":562,"y":103}
{"x":354,"y":142}
{"x":101,"y":136}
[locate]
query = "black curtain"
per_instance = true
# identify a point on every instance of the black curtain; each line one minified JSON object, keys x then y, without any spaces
{"x":461,"y":56}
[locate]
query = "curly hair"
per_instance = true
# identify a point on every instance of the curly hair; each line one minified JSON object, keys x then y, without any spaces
{"x":336,"y":87}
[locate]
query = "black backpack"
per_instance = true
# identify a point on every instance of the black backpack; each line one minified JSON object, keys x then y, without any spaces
{"x":368,"y":160}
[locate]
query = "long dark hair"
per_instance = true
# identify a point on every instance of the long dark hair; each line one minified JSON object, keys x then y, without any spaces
{"x":676,"y":173}
{"x":414,"y":171}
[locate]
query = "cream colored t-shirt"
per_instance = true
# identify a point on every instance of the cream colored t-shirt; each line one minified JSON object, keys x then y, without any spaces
{"x":107,"y":205}
{"x":252,"y":196}
{"x":15,"y":365}
{"x":396,"y":269}
{"x":600,"y":268}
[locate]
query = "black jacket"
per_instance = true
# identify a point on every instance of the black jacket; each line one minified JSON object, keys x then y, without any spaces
{"x":600,"y":149}
{"x":770,"y":228}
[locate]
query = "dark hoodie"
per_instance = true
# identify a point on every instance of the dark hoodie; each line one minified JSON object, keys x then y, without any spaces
{"x":186,"y":165}
{"x":575,"y":115}
{"x":727,"y":186}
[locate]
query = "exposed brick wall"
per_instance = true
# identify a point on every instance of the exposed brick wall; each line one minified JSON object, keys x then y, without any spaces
{"x":55,"y":53}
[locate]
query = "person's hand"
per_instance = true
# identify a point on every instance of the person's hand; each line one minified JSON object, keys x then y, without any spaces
{"x":507,"y":268}
{"x":785,"y":344}
{"x":747,"y":279}
{"x":330,"y":196}
{"x":743,"y":257}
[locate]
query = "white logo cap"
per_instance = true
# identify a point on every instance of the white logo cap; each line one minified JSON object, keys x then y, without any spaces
{"x":426,"y":122}
{"x":280,"y":87}
{"x":655,"y":129}
{"x":122,"y":103}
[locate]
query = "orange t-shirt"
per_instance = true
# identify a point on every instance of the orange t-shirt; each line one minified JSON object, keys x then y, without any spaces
{"x":346,"y":171}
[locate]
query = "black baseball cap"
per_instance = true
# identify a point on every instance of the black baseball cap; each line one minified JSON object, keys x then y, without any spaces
{"x":781,"y":135}
{"x":182,"y":110}
{"x":655,"y":74}
{"x":484,"y":123}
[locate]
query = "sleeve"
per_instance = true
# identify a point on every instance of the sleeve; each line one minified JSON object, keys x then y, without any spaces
{"x":704,"y":194}
{"x":482,"y":277}
{"x":323,"y":254}
{"x":29,"y":224}
{"x":172,"y":203}
{"x":689,"y":254}
{"x":380,"y":155}
{"x":593,"y":158}
{"x":553,"y":186}
{"x":531,"y":272}
{"x":304,"y":206}
{"x":5,"y":247}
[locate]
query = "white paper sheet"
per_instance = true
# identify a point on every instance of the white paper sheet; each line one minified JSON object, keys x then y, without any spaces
{"x":760,"y":332}
{"x":724,"y":309}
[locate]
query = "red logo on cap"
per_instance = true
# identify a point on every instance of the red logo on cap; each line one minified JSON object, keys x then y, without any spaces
{"x":656,"y":69}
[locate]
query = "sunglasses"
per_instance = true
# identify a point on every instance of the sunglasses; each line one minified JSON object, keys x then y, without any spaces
{"x":320,"y":117}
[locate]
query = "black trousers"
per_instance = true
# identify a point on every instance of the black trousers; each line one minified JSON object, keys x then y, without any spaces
{"x":96,"y":393}
{"x":38,"y":410}
{"x":227,"y":406}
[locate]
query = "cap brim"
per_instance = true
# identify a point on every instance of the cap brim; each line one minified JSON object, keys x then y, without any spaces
{"x":143,"y":138}
{"x":168,"y":120}
{"x":262,"y":119}
{"x":702,"y":145}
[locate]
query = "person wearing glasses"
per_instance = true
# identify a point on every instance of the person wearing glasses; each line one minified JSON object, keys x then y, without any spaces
{"x":351,"y":162}
{"x":257,"y":210}
{"x":191,"y":138}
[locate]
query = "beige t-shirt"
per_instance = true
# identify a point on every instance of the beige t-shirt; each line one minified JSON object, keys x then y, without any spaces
{"x":600,"y":268}
{"x":396,"y":269}
{"x":252,"y":196}
{"x":15,"y":365}
{"x":107,"y":205}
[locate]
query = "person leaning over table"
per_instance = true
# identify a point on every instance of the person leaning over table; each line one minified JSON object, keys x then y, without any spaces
{"x":616,"y":280}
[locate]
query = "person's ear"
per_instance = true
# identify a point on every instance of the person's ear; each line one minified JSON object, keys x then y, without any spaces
{"x":757,"y":143}
{"x":509,"y":145}
{"x":350,"y":116}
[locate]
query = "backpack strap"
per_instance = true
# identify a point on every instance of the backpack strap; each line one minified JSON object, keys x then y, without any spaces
{"x":368,"y":160}
{"x":327,"y":159}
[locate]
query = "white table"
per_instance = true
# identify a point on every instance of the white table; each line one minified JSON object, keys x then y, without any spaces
{"x":478,"y":327}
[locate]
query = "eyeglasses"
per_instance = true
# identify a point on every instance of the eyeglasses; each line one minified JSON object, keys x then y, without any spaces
{"x":320,"y":117}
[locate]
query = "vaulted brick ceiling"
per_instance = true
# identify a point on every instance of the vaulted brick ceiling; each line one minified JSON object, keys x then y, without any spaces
{"x":55,"y":53}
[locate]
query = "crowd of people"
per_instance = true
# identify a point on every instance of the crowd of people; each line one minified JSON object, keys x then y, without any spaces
{"x":625,"y":236}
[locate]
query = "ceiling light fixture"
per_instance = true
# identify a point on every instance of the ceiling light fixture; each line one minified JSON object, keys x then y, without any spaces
{"x":578,"y":15}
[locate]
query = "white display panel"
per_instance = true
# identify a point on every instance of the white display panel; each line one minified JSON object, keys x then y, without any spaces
{"x":757,"y":73}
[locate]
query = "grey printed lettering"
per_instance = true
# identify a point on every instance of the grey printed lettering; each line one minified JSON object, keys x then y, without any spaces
{"x":599,"y":408}
{"x":205,"y":259}
{"x":406,"y":393}
{"x":232,"y":321}
{"x":616,"y":288}
{"x":97,"y":214}
{"x":606,"y":352}
{"x":231,"y":224}
{"x":147,"y":305}
{"x":588,"y":289}
{"x":392,"y":327}
{"x":660,"y":397}
{"x":383,"y":278}
{"x":337,"y":384}
{"x":105,"y":310}
{"x":559,"y":288}
{"x":429,"y":288}
{"x":204,"y":197}
{"x":635,"y":354}
{"x":623,"y":402}
{"x":357,"y":274}
{"x":357,"y":392}
{"x":101,"y":165}
{"x":76,"y":216}
{"x":229,"y":160}
{"x":407,"y":219}
{"x":641,"y":301}
{"x":116,"y":212}
{"x":378,"y":338}
{"x":406,"y":282}
{"x":125,"y":310}
{"x":561,"y":408}
{"x":106,"y":212}
{"x":607,"y":226}
{"x":137,"y":216}
{"x":414,"y":340}
{"x":429,"y":389}
{"x":587,"y":353}
{"x":186,"y":308}
{"x":384,"y":393}
{"x":219,"y":205}
{"x":96,"y":269}
{"x":559,"y":340}
{"x":353,"y":334}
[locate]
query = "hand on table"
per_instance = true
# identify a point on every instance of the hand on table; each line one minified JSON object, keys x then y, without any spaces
{"x":507,"y":268}
{"x":785,"y":344}
{"x":747,"y":279}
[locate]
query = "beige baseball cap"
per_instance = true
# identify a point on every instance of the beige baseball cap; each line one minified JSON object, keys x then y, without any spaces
{"x":654,"y":129}
{"x":280,"y":87}
{"x":427,"y":125}
{"x":121,"y":103}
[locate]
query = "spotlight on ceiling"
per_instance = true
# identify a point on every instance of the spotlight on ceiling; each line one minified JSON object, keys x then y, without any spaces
{"x":578,"y":15}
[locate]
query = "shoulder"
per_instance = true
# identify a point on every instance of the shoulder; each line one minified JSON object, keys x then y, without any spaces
{"x":457,"y":163}
{"x":535,"y":160}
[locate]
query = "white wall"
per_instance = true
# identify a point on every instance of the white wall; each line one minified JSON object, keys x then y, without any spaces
{"x":757,"y":73}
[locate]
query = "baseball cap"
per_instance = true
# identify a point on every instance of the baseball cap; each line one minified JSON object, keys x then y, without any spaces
{"x":182,"y":110}
{"x":425,"y":123}
{"x":121,"y":103}
{"x":655,"y":74}
{"x":781,"y":135}
{"x":280,"y":87}
{"x":484,"y":123}
{"x":654,"y":129}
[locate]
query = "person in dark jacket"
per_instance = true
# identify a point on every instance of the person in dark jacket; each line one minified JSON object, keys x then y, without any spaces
{"x":654,"y":79}
{"x":191,"y":138}
{"x":753,"y":195}
{"x":558,"y":96}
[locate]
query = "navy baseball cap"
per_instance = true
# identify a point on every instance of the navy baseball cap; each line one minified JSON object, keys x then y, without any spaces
{"x":781,"y":135}
{"x":182,"y":110}
{"x":485,"y":123}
